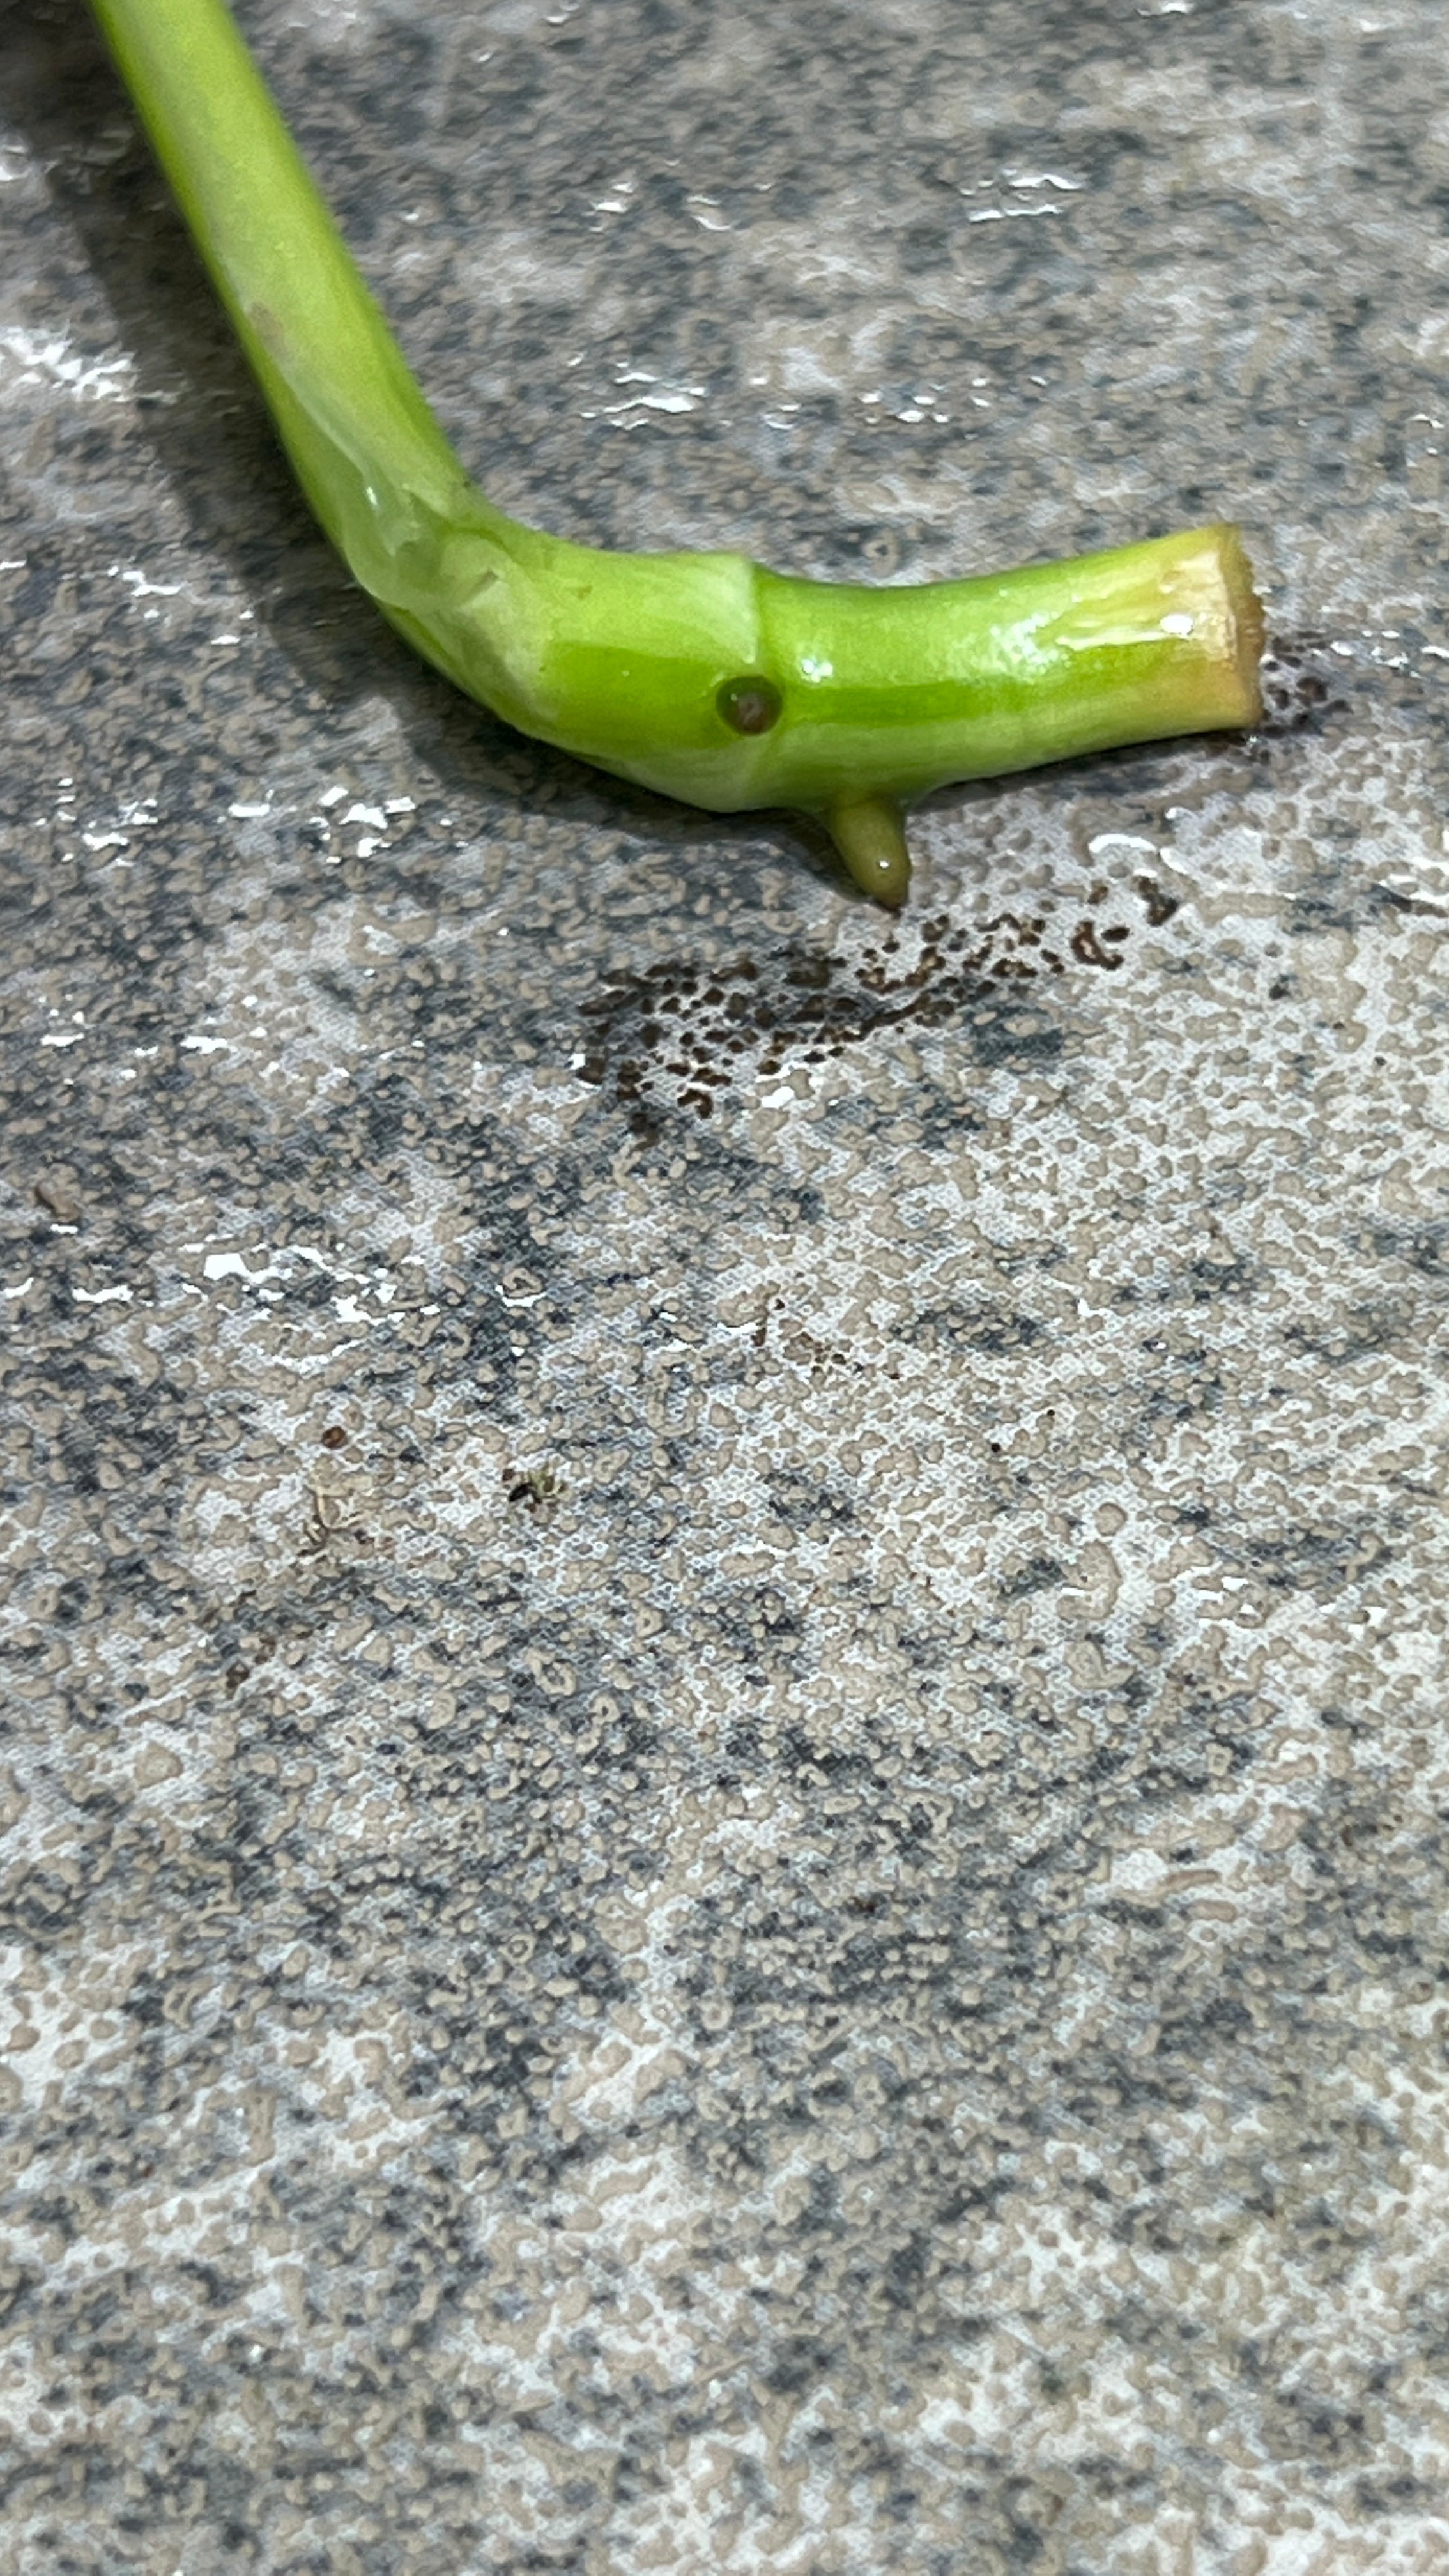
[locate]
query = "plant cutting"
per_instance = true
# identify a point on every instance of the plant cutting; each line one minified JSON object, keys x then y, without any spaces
{"x":703,"y":676}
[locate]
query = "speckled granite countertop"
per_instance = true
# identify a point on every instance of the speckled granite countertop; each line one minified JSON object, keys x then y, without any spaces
{"x":724,"y":1762}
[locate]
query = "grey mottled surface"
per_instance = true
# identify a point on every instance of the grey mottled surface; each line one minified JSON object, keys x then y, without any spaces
{"x":725,"y":1833}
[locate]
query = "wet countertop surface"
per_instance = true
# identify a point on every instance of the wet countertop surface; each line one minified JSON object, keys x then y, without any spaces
{"x":723,"y":1767}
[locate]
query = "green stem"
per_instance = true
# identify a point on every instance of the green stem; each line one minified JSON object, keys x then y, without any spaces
{"x":701,"y":675}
